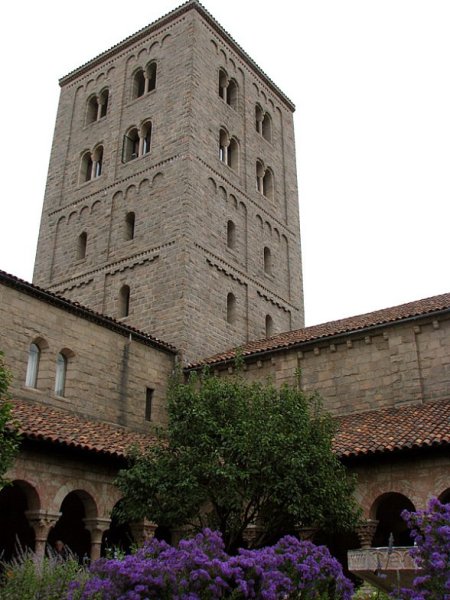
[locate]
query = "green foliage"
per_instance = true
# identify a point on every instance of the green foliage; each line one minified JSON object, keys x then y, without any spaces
{"x":30,"y":578}
{"x":235,"y":451}
{"x":9,"y":439}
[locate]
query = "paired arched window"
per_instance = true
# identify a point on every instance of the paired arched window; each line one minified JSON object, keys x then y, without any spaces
{"x":231,"y":308}
{"x":228,"y":89}
{"x":97,"y":106}
{"x":269,"y":326}
{"x":61,"y":373}
{"x":263,"y":123}
{"x":264,"y":180}
{"x":144,"y":80}
{"x":129,"y":226}
{"x":137,"y":142}
{"x":91,"y":165}
{"x":228,"y":150}
{"x":267,"y":261}
{"x":34,"y":355}
{"x":124,"y":301}
{"x":231,"y":235}
{"x":82,"y":246}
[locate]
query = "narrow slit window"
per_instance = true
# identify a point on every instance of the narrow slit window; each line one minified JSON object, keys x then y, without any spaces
{"x":82,"y":246}
{"x":269,"y":326}
{"x":124,"y":301}
{"x":34,"y":355}
{"x":231,"y":308}
{"x":61,"y":373}
{"x":148,"y":404}
{"x":231,"y":235}
{"x":129,"y":226}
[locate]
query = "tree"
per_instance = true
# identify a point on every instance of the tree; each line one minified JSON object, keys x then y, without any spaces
{"x":235,"y":453}
{"x":9,"y":439}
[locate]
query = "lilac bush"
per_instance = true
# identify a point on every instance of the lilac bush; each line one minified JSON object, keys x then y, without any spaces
{"x":199,"y":569}
{"x":430,"y":530}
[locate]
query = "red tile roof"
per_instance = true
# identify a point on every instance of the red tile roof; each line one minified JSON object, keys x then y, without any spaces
{"x":392,"y":429}
{"x":45,"y":423}
{"x":334,"y":328}
{"x":363,"y":434}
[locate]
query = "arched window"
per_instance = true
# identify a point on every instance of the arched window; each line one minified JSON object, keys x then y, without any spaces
{"x":151,"y":77}
{"x":92,"y":110}
{"x":129,"y":226}
{"x":103,"y":101}
{"x":233,"y":154}
{"x":98,"y":161}
{"x":268,"y":184}
{"x":231,"y":235}
{"x":223,"y":146}
{"x":266,"y":127}
{"x":34,"y":355}
{"x":267,"y":261}
{"x":223,"y":83}
{"x":138,"y":84}
{"x":86,"y":167}
{"x":82,"y":246}
{"x":231,"y":308}
{"x":61,"y":372}
{"x":232,"y":94}
{"x":259,"y":176}
{"x":146,"y":137}
{"x":124,"y":301}
{"x":269,"y":326}
{"x":259,"y":116}
{"x":130,"y":145}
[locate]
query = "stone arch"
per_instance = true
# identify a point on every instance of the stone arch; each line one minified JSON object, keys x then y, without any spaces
{"x":222,"y":193}
{"x":255,"y":87}
{"x":232,"y":63}
{"x":144,"y":186}
{"x":444,"y":497}
{"x":387,"y":509}
{"x":16,"y":533}
{"x":96,"y":205}
{"x":212,"y":185}
{"x":130,"y":193}
{"x":142,"y":53}
{"x":165,"y":39}
{"x":118,"y":536}
{"x":100,"y":78}
{"x":71,"y":216}
{"x":84,"y":212}
{"x":260,"y":222}
{"x":153,"y":47}
{"x":117,"y":196}
{"x":223,"y":56}
{"x":110,"y":71}
{"x":263,"y":95}
{"x":214,"y":45}
{"x":90,"y":83}
{"x":233,"y":201}
{"x":158,"y":179}
{"x":131,"y":59}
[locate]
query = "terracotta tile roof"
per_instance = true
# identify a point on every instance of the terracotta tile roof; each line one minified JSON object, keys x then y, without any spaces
{"x":84,"y":312}
{"x":335,"y":328}
{"x":388,"y":430}
{"x":45,"y":423}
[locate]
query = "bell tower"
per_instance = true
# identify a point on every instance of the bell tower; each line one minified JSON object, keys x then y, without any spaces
{"x":171,"y":199}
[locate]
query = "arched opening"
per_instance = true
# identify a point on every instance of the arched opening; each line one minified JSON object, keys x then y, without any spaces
{"x":16,"y":533}
{"x":86,"y":167}
{"x":130,"y":145}
{"x":268,"y":184}
{"x":259,"y":176}
{"x":444,"y":498}
{"x":267,"y":261}
{"x":231,"y":235}
{"x":98,"y":161}
{"x":223,"y":146}
{"x":266,"y":127}
{"x":232,"y":94}
{"x":92,"y":110}
{"x":269,"y":326}
{"x":138,"y":84}
{"x":61,"y":374}
{"x":118,"y":537}
{"x":231,"y":308}
{"x":34,"y":355}
{"x":82,"y":246}
{"x":163,"y":534}
{"x":146,"y":137}
{"x":124,"y":301}
{"x":129,"y":226}
{"x":104,"y":100}
{"x":259,"y":116}
{"x":233,"y":154}
{"x":70,"y":528}
{"x":387,"y":510}
{"x":151,"y":76}
{"x":223,"y":82}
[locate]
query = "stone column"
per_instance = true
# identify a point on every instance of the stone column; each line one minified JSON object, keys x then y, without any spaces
{"x":143,"y":531}
{"x":366,"y":531}
{"x":96,"y":527}
{"x":41,"y":521}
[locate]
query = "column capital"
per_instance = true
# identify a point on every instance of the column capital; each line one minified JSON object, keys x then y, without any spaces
{"x":42,"y":519}
{"x":366,"y":531}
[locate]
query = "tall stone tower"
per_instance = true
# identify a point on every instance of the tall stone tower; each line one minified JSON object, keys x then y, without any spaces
{"x":171,"y":199}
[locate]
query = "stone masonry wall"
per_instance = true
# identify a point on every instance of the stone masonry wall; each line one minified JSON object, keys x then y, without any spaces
{"x":107,"y":374}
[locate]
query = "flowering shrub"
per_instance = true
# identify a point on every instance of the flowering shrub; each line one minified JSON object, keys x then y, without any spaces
{"x":199,"y":569}
{"x":430,"y":530}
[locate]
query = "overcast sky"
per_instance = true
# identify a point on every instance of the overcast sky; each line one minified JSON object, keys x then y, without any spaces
{"x":371,"y":82}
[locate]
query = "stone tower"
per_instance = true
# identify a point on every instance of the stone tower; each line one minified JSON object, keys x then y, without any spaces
{"x":171,"y":199}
